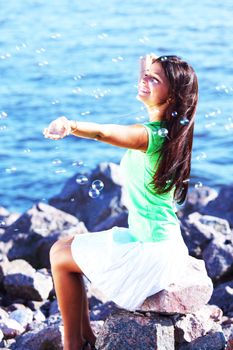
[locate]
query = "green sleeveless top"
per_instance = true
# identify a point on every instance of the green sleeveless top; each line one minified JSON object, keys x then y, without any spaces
{"x":152,"y":217}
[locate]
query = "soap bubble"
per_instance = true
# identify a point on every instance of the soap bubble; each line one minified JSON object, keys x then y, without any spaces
{"x":164,"y":58}
{"x":93,"y":193}
{"x":55,"y":36}
{"x":144,"y":39}
{"x":60,"y":171}
{"x":55,"y":102}
{"x":174,"y":114}
{"x":2,"y":224}
{"x":198,"y":184}
{"x":168,"y":181}
{"x":43,"y":63}
{"x":56,"y":161}
{"x":162,"y":132}
{"x":97,"y":185}
{"x":10,"y":170}
{"x":184,"y":121}
{"x":200,"y":156}
{"x":81,"y":180}
{"x":78,"y":163}
{"x":210,"y":125}
{"x":3,"y":115}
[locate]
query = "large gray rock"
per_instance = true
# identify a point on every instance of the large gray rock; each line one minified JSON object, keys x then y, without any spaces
{"x":189,"y":294}
{"x":32,"y":235}
{"x":23,"y":281}
{"x":222,"y":206}
{"x":197,"y":199}
{"x":198,"y":230}
{"x":218,"y":257}
{"x":11,"y":328}
{"x":211,"y":341}
{"x":47,"y":338}
{"x":130,"y":331}
{"x":197,"y":324}
{"x":23,"y":317}
{"x":110,"y":207}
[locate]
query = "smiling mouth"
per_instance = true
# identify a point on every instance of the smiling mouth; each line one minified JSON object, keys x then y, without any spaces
{"x":143,"y":91}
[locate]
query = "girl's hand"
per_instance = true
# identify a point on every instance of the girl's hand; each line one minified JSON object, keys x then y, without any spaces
{"x":58,"y":129}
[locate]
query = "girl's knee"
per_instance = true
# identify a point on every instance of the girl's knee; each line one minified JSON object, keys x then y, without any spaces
{"x":61,"y":257}
{"x":58,"y":252}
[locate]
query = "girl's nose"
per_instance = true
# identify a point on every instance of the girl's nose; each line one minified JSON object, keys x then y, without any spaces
{"x":144,"y":79}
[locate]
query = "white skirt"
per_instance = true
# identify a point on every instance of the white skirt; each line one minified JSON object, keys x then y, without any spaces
{"x":128,"y":272}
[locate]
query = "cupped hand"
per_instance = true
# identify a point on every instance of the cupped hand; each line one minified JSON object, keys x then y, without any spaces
{"x":58,"y":129}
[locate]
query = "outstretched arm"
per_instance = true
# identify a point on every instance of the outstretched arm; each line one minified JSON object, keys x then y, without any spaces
{"x":127,"y":136}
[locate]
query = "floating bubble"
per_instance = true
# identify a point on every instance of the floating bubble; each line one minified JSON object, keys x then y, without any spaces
{"x":3,"y":115}
{"x":81,"y":180}
{"x":23,"y":46}
{"x":10,"y":170}
{"x":93,"y":193}
{"x":72,"y":199}
{"x":228,"y":126}
{"x":40,"y":50}
{"x":77,"y":90}
{"x":3,"y":128}
{"x":2,"y":224}
{"x":184,"y":121}
{"x":78,"y":163}
{"x":198,"y":184}
{"x":102,"y":36}
{"x":60,"y":171}
{"x":200,"y":156}
{"x":85,"y":113}
{"x":142,"y":117}
{"x":7,"y":55}
{"x":144,"y":39}
{"x":26,"y":150}
{"x":56,"y":161}
{"x":55,"y":102}
{"x":162,"y":132}
{"x":164,"y":58}
{"x":117,"y":59}
{"x":43,"y":63}
{"x":55,"y":36}
{"x":210,"y":125}
{"x":168,"y":181}
{"x":174,"y":114}
{"x":97,"y":185}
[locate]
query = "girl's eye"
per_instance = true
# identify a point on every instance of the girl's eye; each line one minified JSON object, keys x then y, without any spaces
{"x":154,"y":80}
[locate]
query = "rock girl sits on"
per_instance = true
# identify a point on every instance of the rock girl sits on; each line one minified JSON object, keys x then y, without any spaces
{"x":130,"y":264}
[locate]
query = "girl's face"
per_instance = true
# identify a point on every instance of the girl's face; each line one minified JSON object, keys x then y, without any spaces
{"x":153,"y":87}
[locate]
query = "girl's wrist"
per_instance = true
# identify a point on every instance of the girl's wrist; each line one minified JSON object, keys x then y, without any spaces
{"x":73,"y":126}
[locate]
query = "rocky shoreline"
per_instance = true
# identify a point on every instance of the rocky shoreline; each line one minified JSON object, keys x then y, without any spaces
{"x":29,"y":314}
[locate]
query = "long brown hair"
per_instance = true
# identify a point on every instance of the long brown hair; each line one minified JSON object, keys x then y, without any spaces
{"x":174,"y":163}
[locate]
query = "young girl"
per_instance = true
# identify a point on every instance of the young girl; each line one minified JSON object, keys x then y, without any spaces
{"x":130,"y":264}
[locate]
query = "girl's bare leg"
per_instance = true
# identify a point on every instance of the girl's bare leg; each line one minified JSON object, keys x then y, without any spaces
{"x":71,"y":296}
{"x":87,"y":330}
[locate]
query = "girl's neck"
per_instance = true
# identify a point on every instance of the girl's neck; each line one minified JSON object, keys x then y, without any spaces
{"x":156,"y":114}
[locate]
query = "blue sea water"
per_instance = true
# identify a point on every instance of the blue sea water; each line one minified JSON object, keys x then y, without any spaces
{"x":80,"y":59}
